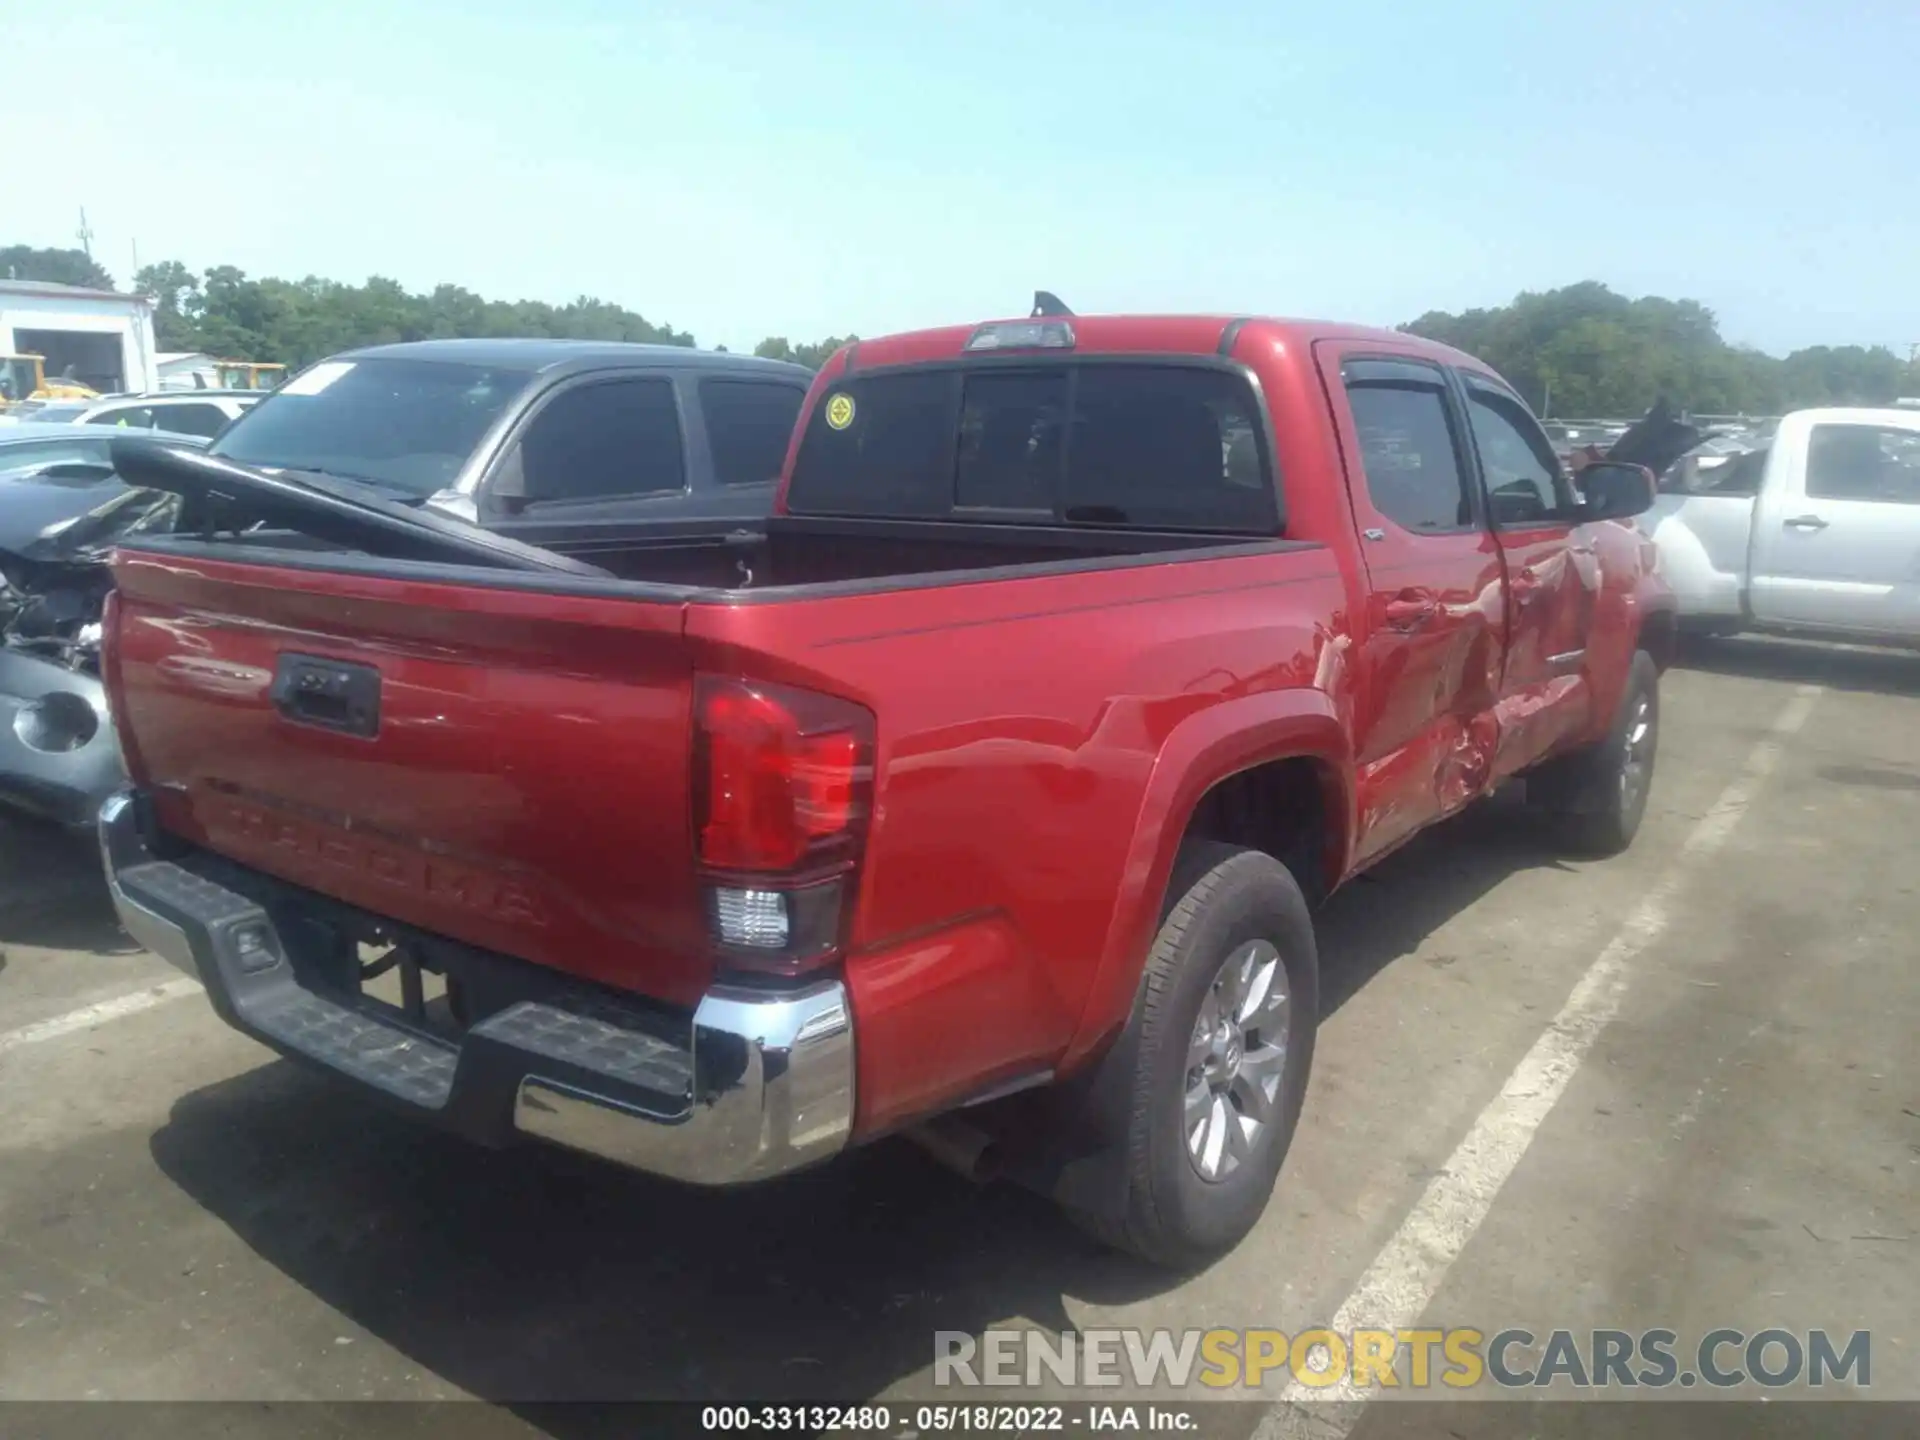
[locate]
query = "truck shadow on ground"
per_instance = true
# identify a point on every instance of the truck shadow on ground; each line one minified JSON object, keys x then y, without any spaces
{"x":1809,"y":662}
{"x":531,"y":1276}
{"x":52,"y":893}
{"x":1389,"y":911}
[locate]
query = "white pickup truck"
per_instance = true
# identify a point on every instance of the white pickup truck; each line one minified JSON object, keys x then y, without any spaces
{"x":1817,"y":533}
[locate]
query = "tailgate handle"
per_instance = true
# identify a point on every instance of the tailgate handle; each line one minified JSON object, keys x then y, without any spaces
{"x":328,"y":694}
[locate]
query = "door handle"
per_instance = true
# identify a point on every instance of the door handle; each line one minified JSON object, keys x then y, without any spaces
{"x":1806,"y":522}
{"x":1411,"y":609}
{"x":1527,"y":587}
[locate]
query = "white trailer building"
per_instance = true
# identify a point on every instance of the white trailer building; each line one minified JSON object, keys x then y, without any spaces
{"x":186,"y":370}
{"x":99,"y":337}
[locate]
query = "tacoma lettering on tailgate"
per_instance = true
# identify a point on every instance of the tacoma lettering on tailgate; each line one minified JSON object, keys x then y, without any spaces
{"x":391,"y":862}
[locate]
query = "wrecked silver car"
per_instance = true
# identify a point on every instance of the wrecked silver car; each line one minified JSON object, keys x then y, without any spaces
{"x":60,"y":516}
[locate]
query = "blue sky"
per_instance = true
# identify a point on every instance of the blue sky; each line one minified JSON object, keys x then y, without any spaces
{"x":805,"y":168}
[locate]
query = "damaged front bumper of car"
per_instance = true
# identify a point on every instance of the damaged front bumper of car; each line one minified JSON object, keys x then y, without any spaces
{"x":58,"y":755}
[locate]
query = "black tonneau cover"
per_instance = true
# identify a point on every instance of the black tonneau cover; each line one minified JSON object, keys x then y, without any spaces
{"x":222,"y":495}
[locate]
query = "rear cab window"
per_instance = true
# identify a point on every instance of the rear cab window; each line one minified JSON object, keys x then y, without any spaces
{"x":1739,"y":477}
{"x":1142,"y":444}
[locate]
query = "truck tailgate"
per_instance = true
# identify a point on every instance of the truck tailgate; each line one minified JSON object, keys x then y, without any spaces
{"x":506,"y":769}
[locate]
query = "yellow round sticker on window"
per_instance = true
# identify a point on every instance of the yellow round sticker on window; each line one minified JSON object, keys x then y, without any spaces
{"x":840,"y":411}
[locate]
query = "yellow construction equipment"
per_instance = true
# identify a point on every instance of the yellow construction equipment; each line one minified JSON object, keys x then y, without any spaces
{"x":249,"y":374}
{"x":24,"y":377}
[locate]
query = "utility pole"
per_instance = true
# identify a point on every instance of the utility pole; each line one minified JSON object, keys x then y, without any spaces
{"x":85,"y":233}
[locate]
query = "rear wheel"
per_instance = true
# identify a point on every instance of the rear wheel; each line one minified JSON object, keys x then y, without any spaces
{"x":1225,"y":1023}
{"x":1599,"y":794}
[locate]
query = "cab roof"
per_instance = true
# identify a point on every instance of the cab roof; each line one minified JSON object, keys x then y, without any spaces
{"x":539,"y":354}
{"x":1148,"y":334}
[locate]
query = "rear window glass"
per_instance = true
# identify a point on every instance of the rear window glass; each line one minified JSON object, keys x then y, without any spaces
{"x":1139,"y":445}
{"x":407,"y":425}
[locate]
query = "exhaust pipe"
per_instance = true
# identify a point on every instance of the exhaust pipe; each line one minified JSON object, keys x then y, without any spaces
{"x":961,"y":1147}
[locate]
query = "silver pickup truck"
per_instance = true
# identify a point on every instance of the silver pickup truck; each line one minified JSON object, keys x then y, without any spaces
{"x":1815,"y":532}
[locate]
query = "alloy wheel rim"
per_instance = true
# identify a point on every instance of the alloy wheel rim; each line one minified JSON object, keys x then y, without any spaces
{"x":1236,"y":1060}
{"x":1637,"y":762}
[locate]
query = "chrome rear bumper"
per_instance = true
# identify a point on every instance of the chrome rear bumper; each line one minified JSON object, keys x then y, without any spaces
{"x":752,"y":1084}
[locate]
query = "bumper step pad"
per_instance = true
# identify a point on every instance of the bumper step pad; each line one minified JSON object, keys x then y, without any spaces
{"x":254,"y":977}
{"x":749,"y":1084}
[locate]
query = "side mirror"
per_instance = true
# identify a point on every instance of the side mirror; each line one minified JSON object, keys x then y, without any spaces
{"x":1615,"y":490}
{"x":505,"y":493}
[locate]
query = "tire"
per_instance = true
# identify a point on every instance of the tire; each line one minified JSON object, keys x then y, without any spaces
{"x":1228,"y":905}
{"x":1598,"y":796}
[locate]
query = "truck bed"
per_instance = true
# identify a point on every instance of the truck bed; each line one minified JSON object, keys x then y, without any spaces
{"x":524,"y":780}
{"x":788,"y":554}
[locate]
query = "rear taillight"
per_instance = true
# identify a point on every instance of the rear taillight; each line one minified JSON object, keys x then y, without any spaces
{"x":782,"y":782}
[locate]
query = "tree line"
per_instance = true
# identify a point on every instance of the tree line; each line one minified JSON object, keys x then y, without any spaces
{"x":1581,"y":350}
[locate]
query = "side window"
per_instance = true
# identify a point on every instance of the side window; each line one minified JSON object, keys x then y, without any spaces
{"x":1525,"y":485}
{"x":126,"y":417}
{"x":189,"y":419}
{"x":1407,"y":446}
{"x":600,"y":441}
{"x":1864,"y":462}
{"x":749,"y":423}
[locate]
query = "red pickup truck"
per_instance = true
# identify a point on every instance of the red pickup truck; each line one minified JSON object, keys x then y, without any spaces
{"x":984,"y":796}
